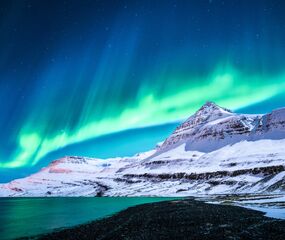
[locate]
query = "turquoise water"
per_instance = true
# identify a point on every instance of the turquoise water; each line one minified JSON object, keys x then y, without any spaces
{"x":21,"y":217}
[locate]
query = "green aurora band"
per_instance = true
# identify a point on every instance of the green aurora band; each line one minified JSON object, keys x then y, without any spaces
{"x":226,"y":86}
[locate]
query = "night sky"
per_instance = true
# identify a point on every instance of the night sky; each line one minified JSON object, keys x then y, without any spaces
{"x":72,"y":71}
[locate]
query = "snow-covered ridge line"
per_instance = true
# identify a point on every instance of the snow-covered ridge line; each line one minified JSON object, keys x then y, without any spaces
{"x":214,"y":151}
{"x":213,"y":127}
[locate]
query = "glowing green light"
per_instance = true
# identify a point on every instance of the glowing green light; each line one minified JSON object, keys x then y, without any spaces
{"x":226,"y":86}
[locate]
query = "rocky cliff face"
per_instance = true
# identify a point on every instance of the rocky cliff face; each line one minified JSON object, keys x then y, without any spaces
{"x":215,"y":151}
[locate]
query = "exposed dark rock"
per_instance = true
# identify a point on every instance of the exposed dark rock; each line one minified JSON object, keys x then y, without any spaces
{"x":208,"y":175}
{"x":101,"y":189}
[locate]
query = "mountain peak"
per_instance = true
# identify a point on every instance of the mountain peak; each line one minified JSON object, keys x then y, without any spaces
{"x":211,"y":107}
{"x":208,"y":112}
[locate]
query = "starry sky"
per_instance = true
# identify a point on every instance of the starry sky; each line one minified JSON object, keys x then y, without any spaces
{"x":77,"y":76}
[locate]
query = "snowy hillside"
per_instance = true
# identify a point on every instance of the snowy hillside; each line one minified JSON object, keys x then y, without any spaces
{"x":215,"y":151}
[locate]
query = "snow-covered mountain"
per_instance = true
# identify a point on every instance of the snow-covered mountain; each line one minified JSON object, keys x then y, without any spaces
{"x":215,"y":151}
{"x":213,"y":127}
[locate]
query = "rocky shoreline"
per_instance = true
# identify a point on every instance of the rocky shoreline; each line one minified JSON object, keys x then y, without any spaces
{"x":177,"y":219}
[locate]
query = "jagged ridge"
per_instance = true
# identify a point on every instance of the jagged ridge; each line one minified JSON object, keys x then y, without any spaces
{"x":213,"y":127}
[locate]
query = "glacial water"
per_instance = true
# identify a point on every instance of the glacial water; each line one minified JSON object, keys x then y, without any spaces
{"x":21,"y":217}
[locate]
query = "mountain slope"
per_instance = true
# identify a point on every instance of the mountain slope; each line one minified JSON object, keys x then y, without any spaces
{"x":213,"y":151}
{"x":213,"y":127}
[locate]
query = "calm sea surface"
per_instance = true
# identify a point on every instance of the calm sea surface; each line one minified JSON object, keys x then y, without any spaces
{"x":21,"y":217}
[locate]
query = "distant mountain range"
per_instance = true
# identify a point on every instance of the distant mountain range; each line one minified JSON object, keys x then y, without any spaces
{"x":215,"y":151}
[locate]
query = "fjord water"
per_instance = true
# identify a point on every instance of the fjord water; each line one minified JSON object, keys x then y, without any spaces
{"x":20,"y":217}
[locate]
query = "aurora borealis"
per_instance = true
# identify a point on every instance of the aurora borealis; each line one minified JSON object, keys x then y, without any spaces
{"x":72,"y":71}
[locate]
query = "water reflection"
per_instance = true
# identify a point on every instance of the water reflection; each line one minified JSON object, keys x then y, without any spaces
{"x":30,"y":216}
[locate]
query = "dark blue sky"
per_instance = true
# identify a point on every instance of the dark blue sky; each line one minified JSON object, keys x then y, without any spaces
{"x":71,"y":71}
